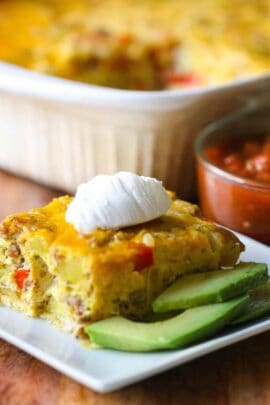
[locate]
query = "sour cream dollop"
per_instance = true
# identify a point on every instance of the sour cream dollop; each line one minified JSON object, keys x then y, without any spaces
{"x":117,"y":201}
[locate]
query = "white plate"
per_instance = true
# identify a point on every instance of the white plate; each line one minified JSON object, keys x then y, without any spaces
{"x":107,"y":370}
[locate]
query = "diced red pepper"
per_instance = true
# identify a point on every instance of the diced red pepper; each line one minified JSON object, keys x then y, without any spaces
{"x":20,"y":276}
{"x":143,"y":256}
{"x":183,"y":79}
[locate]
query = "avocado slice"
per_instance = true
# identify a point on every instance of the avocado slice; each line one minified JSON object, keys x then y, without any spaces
{"x":216,"y":286}
{"x":258,"y":305}
{"x":188,"y":327}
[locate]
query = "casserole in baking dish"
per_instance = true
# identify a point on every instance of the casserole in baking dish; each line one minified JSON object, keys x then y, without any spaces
{"x":148,"y":46}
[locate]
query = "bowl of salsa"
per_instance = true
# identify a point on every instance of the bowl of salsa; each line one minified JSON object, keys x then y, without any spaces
{"x":233,"y":171}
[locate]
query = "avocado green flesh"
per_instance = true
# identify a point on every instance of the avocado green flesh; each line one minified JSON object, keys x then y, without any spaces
{"x":211,"y":287}
{"x":258,"y":305}
{"x":188,"y":327}
{"x":254,"y":310}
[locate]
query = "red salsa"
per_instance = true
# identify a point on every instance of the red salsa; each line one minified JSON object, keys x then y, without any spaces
{"x":241,"y":205}
{"x":249,"y":157}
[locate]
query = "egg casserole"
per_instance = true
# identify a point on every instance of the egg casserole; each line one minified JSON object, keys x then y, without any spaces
{"x":49,"y":270}
{"x":144,"y":45}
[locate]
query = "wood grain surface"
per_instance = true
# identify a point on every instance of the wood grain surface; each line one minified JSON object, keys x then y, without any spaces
{"x":237,"y":375}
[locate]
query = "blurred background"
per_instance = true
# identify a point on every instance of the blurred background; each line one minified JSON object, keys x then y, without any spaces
{"x":90,"y":87}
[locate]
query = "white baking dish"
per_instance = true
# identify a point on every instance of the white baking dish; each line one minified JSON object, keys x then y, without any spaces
{"x":61,"y":133}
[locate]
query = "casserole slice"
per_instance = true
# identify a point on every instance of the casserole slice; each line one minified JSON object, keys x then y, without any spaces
{"x":49,"y":270}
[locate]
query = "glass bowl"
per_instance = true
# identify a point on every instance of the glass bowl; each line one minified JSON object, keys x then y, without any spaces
{"x":236,"y":202}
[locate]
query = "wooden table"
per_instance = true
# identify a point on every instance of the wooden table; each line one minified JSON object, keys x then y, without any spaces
{"x":236,"y":375}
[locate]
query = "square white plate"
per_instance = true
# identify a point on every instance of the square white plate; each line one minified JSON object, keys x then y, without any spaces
{"x":107,"y":370}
